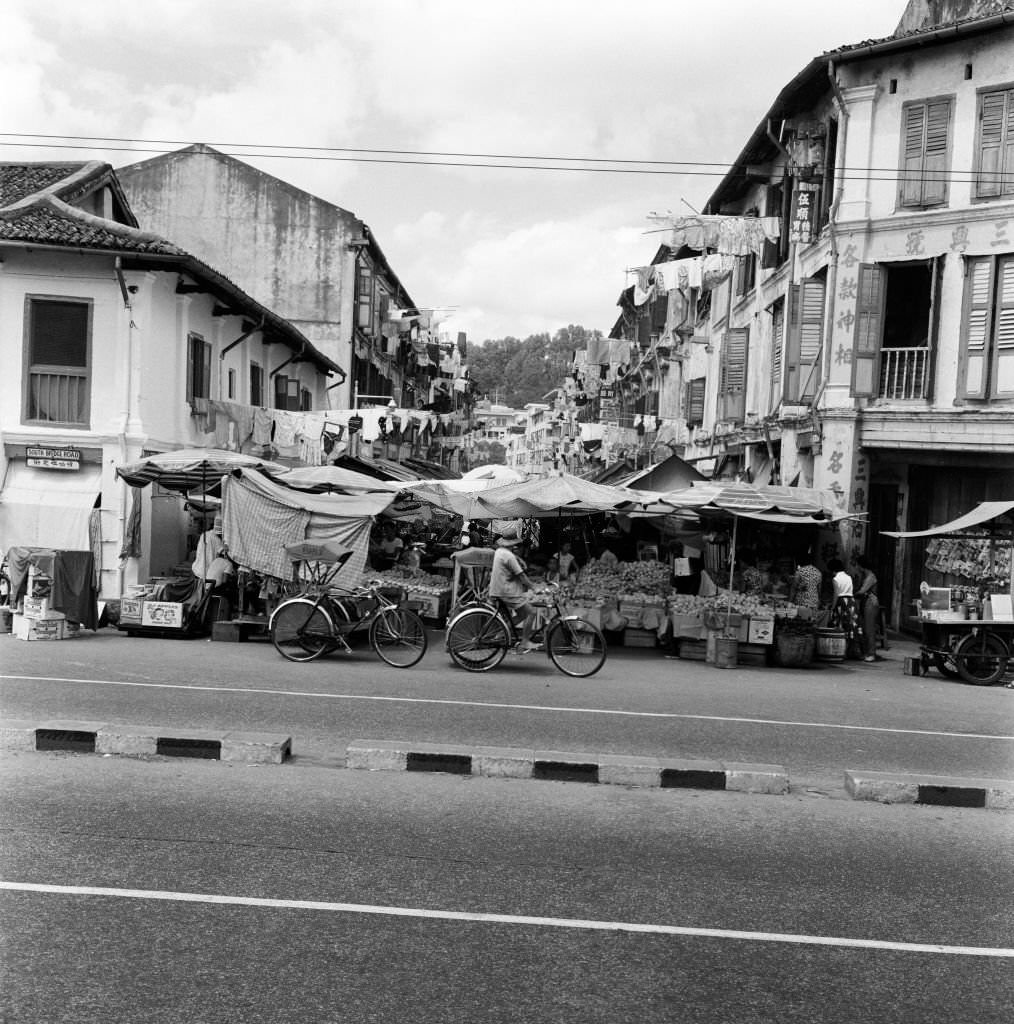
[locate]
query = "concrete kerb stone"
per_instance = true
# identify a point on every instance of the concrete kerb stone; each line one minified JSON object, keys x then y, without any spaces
{"x":16,"y":734}
{"x":130,"y":740}
{"x":937,"y":790}
{"x":256,"y":747}
{"x":605,"y":769}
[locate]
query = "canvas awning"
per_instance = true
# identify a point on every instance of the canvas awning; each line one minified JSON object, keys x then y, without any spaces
{"x":48,"y":508}
{"x":982,"y":513}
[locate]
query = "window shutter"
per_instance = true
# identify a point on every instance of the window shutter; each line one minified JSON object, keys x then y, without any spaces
{"x":1003,"y":333}
{"x":1007,"y":180}
{"x":869,"y":330}
{"x":732,"y":386}
{"x":934,"y":182}
{"x":992,"y":120}
{"x":695,"y":402}
{"x":777,"y":344}
{"x":772,"y":208}
{"x":790,"y":392}
{"x":811,"y":336}
{"x":205,"y":370}
{"x":364,"y":298}
{"x":190,"y":368}
{"x":915,"y":133}
{"x":974,"y":350}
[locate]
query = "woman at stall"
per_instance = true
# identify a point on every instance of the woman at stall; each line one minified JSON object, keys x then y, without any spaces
{"x":844,"y":614}
{"x":869,"y":605}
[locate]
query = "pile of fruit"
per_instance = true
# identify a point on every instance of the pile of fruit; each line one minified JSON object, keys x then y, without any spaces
{"x":416,"y":580}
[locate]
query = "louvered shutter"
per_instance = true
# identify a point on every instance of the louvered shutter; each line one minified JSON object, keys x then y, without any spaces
{"x":869,"y":330}
{"x":790,"y":379}
{"x":994,"y":112}
{"x":777,"y":345}
{"x":205,"y":370}
{"x":915,"y":132}
{"x":364,"y":298}
{"x":938,"y":122}
{"x":190,"y":369}
{"x":695,"y":402}
{"x":732,"y":381}
{"x":1003,"y":332}
{"x":975,"y":347}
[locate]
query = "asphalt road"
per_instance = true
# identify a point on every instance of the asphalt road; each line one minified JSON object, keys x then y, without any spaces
{"x":817,"y":722}
{"x":613,"y":905}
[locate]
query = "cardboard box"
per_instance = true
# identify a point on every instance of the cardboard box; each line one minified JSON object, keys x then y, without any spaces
{"x":587,"y":612}
{"x":689,"y":626}
{"x":430,"y":606}
{"x":760,"y":631}
{"x":38,"y":608}
{"x":26,"y":628}
{"x":130,"y":611}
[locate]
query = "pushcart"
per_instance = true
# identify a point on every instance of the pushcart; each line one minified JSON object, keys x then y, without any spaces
{"x":975,"y":650}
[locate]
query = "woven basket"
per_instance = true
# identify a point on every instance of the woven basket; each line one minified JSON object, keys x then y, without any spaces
{"x":794,"y":651}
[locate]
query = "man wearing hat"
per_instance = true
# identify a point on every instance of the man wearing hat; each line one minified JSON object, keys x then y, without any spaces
{"x":509,"y":582}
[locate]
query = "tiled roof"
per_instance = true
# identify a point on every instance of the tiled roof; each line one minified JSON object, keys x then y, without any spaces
{"x":51,"y":222}
{"x":19,"y":181}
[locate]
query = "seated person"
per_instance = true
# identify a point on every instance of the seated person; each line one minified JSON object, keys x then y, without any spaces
{"x":509,"y":582}
{"x":387,"y":550}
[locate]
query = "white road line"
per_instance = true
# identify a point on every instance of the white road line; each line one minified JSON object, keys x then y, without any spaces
{"x":515,"y":707}
{"x":513,"y":919}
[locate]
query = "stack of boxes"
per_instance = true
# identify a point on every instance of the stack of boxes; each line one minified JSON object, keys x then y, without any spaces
{"x":37,"y":620}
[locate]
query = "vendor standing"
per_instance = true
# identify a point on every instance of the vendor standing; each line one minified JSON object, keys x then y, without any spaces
{"x":387,"y":550}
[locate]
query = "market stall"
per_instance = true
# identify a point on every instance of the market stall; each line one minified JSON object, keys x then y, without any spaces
{"x":53,"y":593}
{"x":966,"y":623}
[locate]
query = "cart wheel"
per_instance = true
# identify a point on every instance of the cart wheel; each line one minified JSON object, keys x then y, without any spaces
{"x":944,"y":664}
{"x":477,"y":639}
{"x":981,"y":659}
{"x":399,"y":637}
{"x":301,"y":630}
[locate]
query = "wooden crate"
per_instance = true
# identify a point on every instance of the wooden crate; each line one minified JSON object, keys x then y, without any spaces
{"x":752,"y":654}
{"x":693,"y":650}
{"x":639,"y":637}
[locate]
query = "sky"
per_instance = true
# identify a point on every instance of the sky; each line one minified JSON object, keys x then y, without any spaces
{"x":512,"y":251}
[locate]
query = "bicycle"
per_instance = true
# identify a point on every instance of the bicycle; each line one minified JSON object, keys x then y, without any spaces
{"x":480,"y":635}
{"x":319,"y":620}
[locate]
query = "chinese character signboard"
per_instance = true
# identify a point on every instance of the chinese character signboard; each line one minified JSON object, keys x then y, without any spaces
{"x":801,"y":226}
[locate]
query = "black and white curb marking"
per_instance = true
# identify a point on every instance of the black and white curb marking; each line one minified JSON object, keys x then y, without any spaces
{"x":936,"y":790}
{"x":604,"y":769}
{"x":143,"y":740}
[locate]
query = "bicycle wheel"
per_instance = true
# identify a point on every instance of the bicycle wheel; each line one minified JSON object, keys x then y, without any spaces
{"x":576,"y":647}
{"x":398,"y":636}
{"x":301,"y":630}
{"x":477,"y":639}
{"x":982,"y":659}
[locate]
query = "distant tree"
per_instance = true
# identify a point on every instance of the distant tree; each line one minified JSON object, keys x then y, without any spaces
{"x":517,"y":372}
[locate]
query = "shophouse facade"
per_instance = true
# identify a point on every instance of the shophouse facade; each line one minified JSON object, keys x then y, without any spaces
{"x":857,"y":332}
{"x":118,"y":343}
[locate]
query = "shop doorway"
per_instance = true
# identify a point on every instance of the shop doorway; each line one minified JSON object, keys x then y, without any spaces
{"x":883,"y":510}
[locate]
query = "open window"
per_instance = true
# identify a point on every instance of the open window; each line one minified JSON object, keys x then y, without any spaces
{"x":198,"y":368}
{"x":58,"y":361}
{"x":895,"y":329}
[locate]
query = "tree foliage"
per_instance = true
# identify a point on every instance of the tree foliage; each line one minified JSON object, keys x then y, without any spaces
{"x":514,"y":372}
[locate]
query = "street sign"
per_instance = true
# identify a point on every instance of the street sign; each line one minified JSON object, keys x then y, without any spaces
{"x":53,"y":458}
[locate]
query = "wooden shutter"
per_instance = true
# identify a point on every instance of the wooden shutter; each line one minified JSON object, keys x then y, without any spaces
{"x":777,"y":348}
{"x":364,"y":298}
{"x":996,"y":135}
{"x":190,"y":368}
{"x":805,"y":340}
{"x":1003,"y":331}
{"x":732,"y":380}
{"x":205,"y":370}
{"x":938,"y":124}
{"x":869,"y":330}
{"x":915,"y":134}
{"x":695,"y":402}
{"x":975,"y":326}
{"x":924,"y":163}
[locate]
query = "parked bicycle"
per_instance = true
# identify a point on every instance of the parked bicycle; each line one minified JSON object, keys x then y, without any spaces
{"x":321,"y":618}
{"x":480,"y":635}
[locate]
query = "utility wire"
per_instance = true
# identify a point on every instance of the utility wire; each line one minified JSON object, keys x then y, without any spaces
{"x":659,"y":167}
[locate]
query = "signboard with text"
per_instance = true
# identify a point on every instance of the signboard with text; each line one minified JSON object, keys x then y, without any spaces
{"x":162,"y":613}
{"x":53,"y":458}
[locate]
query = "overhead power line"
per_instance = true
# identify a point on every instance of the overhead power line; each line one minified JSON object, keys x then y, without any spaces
{"x":670,"y":168}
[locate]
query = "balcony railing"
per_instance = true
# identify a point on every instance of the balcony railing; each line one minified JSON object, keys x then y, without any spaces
{"x":904,"y":373}
{"x":58,"y":395}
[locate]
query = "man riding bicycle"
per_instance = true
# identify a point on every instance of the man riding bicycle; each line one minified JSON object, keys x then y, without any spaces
{"x":509,"y":582}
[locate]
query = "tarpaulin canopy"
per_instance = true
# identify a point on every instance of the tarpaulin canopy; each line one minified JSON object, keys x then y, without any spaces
{"x":48,"y":508}
{"x":536,"y":498}
{"x":336,"y":480}
{"x":261,"y":518}
{"x":188,"y":469}
{"x":755,"y":499}
{"x":982,"y":513}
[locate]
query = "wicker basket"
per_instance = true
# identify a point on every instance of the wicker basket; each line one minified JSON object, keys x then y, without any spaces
{"x":794,"y":650}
